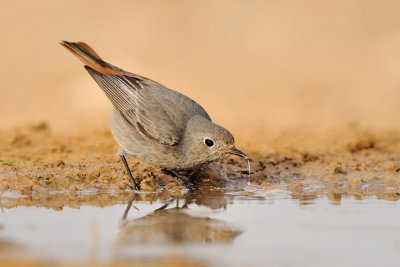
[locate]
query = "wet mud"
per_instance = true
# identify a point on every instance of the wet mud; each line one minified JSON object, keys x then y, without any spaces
{"x":46,"y":169}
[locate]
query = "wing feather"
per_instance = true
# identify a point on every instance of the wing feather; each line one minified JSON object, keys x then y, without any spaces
{"x":154,"y":110}
{"x":143,"y":111}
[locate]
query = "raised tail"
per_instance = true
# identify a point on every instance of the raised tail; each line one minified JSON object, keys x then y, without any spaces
{"x":90,"y":58}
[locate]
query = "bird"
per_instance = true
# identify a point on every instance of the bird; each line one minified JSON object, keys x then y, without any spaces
{"x":155,"y":124}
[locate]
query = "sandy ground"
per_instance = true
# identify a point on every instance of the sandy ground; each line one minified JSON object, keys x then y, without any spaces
{"x":38,"y":167}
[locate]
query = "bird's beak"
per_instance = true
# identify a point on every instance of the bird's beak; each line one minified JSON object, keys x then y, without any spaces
{"x":234,"y":151}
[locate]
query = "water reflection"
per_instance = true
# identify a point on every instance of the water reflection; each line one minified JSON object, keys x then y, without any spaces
{"x":218,"y":220}
{"x":175,"y":222}
{"x":209,"y":226}
{"x":176,"y":225}
{"x":208,"y":188}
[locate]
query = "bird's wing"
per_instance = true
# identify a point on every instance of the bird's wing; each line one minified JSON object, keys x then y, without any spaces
{"x":147,"y":110}
{"x":154,"y":110}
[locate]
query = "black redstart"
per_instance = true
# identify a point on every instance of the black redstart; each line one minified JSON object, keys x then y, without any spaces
{"x":154,"y":123}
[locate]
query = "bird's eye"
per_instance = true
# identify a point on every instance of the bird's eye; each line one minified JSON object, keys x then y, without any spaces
{"x":208,"y":142}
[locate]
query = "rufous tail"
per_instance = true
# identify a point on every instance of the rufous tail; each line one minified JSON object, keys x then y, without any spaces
{"x":89,"y":57}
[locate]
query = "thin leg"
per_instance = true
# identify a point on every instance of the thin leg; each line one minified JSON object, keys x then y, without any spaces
{"x":170,"y":173}
{"x":122,"y":155}
{"x":184,"y":180}
{"x":128,"y":207}
{"x":163,"y":207}
{"x":125,"y":215}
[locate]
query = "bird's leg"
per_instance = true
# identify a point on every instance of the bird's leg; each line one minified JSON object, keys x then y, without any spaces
{"x":121,"y":153}
{"x":169,"y":173}
{"x":184,"y":180}
{"x":128,"y":207}
{"x":163,"y":207}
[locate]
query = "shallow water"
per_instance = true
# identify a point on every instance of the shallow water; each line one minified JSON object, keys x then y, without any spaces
{"x":228,"y":229}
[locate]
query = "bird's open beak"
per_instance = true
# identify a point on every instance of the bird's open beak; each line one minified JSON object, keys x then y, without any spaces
{"x":234,"y":151}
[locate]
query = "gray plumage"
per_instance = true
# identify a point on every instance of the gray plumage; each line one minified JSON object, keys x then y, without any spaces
{"x":153,"y":123}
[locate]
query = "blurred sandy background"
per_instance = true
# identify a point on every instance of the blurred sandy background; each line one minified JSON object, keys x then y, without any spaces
{"x":254,"y":65}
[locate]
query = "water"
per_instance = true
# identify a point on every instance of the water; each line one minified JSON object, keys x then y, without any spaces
{"x":232,"y":229}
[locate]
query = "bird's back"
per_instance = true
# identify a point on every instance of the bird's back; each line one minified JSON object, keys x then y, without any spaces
{"x":155,"y":111}
{"x":149,"y":120}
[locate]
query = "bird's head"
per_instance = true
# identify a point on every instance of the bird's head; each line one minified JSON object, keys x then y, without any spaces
{"x":208,"y":141}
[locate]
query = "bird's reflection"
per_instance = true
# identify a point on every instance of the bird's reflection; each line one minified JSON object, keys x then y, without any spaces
{"x":208,"y":188}
{"x":176,"y":222}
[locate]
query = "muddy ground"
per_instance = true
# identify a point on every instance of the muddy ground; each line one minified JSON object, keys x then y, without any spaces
{"x":42,"y":168}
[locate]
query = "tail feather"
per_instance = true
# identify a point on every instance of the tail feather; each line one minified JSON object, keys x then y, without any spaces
{"x":90,"y":58}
